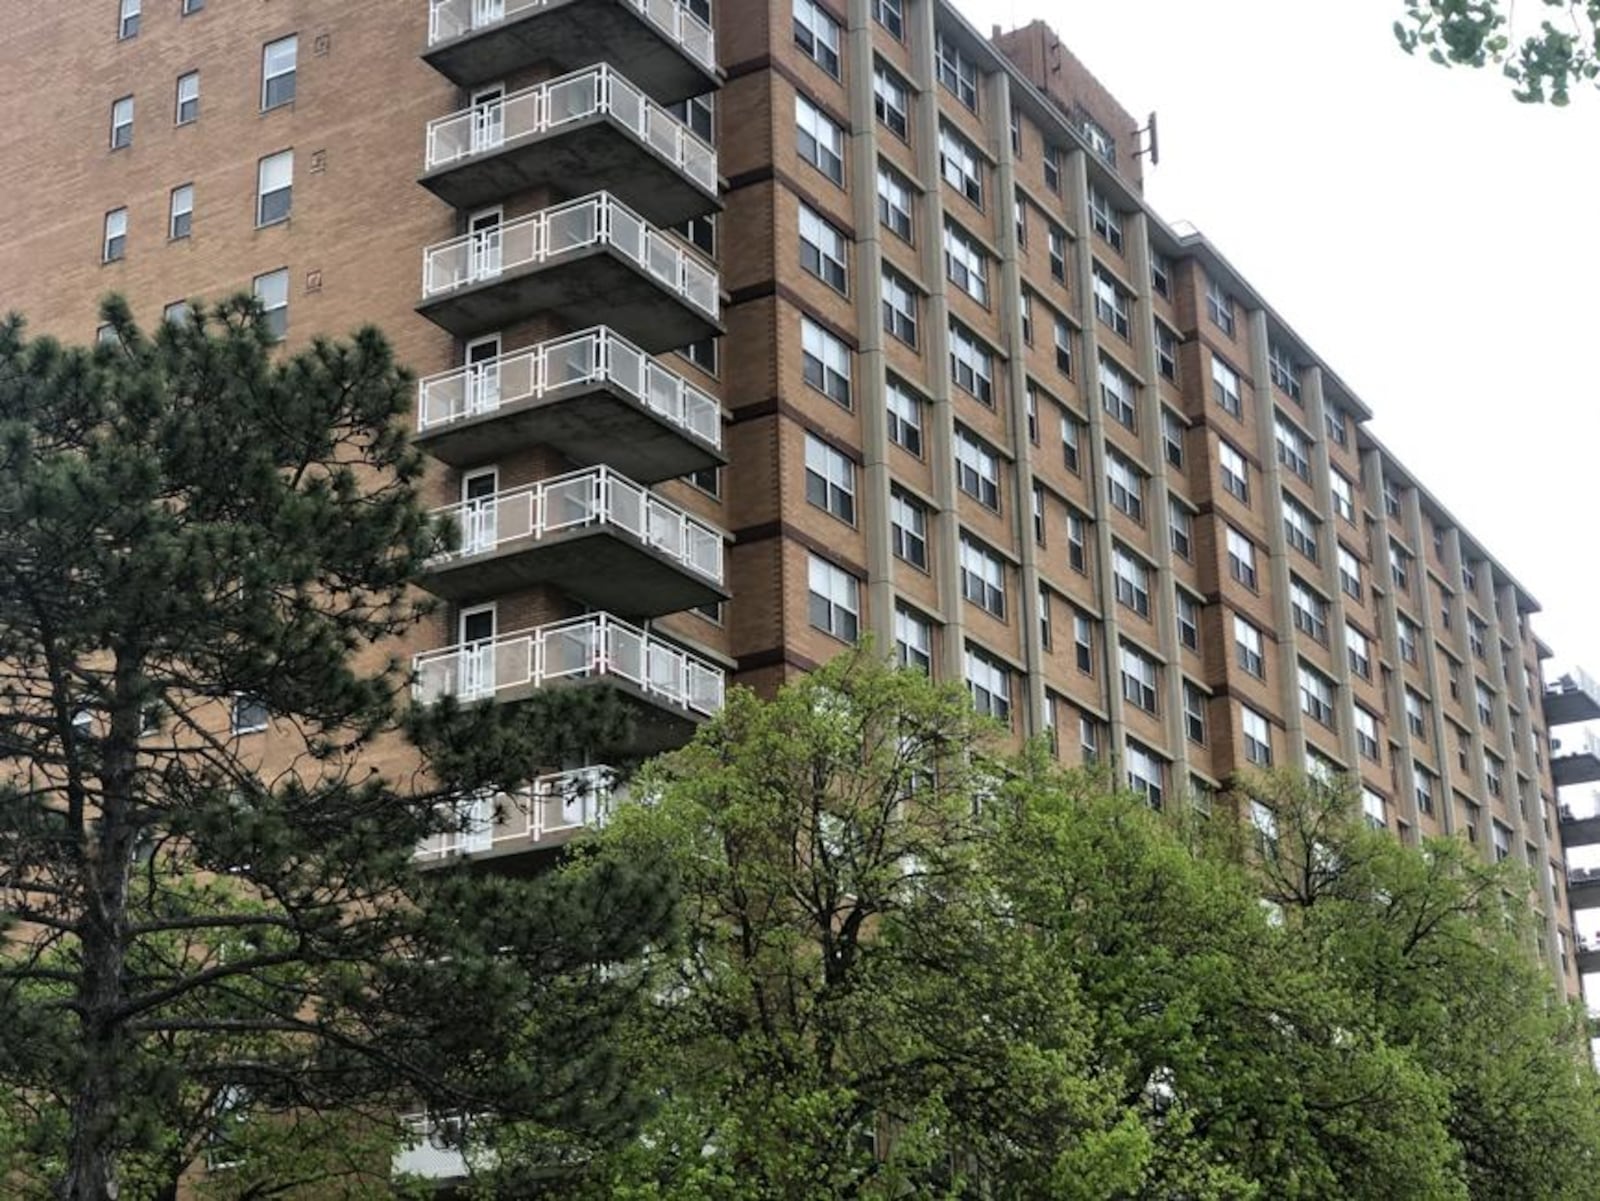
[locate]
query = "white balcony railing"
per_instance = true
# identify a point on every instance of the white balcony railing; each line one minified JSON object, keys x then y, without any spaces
{"x":433,"y":1150}
{"x":449,"y":19}
{"x":593,"y":356}
{"x":492,"y":126}
{"x":598,"y":219}
{"x":593,"y":646}
{"x":549,"y":805}
{"x":588,"y":497}
{"x":1577,"y":742}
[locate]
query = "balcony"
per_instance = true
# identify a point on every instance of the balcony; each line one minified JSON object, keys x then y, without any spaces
{"x":1583,"y":887}
{"x":1576,"y":760}
{"x":668,"y":689}
{"x":579,"y":133}
{"x":593,"y":396}
{"x":596,"y":535}
{"x":432,"y":1150}
{"x":545,"y":814}
{"x":1574,"y":697}
{"x":594,"y":259}
{"x":670,"y":52}
{"x":1579,"y":830}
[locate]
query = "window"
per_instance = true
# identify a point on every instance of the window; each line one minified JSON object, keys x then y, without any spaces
{"x":1399,"y":567}
{"x":1374,"y":809}
{"x":977,"y":469}
{"x":1310,"y":611}
{"x":891,"y":100}
{"x":1117,"y":392}
{"x":1180,"y":525}
{"x":1426,"y":783}
{"x":188,"y":8}
{"x":1445,"y":608}
{"x":1020,"y":203}
{"x":908,"y":529}
{"x":1127,"y":485}
{"x":1139,"y":677}
{"x":834,"y":602}
{"x":958,"y":164}
{"x":1016,"y":133}
{"x":966,"y":265}
{"x":1166,"y":352}
{"x":1083,"y":643}
{"x":180,"y":211}
{"x":956,"y":72}
{"x":1099,"y":139}
{"x":830,"y":479}
{"x":891,"y":15}
{"x":274,"y":188}
{"x":1077,"y":546}
{"x":1408,"y":635}
{"x":819,"y":141}
{"x":1132,"y":579}
{"x":1416,"y":716}
{"x":1173,"y":428}
{"x":1235,"y":471}
{"x":1367,"y":735}
{"x":1247,"y":648}
{"x":1316,"y":695}
{"x":1038,"y":514}
{"x":114,"y":242}
{"x":1285,"y":372}
{"x":1359,"y":652}
{"x":1469,"y":577}
{"x":1188,"y":620}
{"x":899,"y":307}
{"x":1300,"y":528}
{"x":1089,"y":739}
{"x":1104,"y":219}
{"x":1052,"y":168}
{"x":971,"y":364}
{"x":913,"y":640}
{"x":1027,"y":319}
{"x":1057,"y":247}
{"x":703,"y":354}
{"x":1241,"y":558}
{"x":1257,"y":737}
{"x":1063,"y":345}
{"x":177,"y":313}
{"x":1110,"y":303}
{"x":1333,"y":418}
{"x":905,"y":417}
{"x":1344,"y":498}
{"x":822,"y":249}
{"x":825,"y":362}
{"x":1044,"y":617}
{"x":1349,"y":574}
{"x":983,"y":577}
{"x":1294,"y":451}
{"x":1225,"y":387}
{"x":188,"y":102}
{"x":1494,"y":777}
{"x":817,"y":34}
{"x":1391,"y":497}
{"x":1453,"y":670}
{"x":128,"y":19}
{"x":989,"y":681}
{"x":249,"y":715}
{"x":894,"y":202}
{"x":1219,"y":306}
{"x":1265,"y":824}
{"x":122,"y":123}
{"x":1485,"y":699}
{"x":278,"y":72}
{"x":1146,"y":774}
{"x":708,"y":480}
{"x":1477,"y":632}
{"x":272,"y":290}
{"x":1071,"y":442}
{"x":1160,"y":274}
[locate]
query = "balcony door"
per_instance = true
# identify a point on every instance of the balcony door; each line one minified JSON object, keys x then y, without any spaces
{"x":475,"y":637}
{"x":488,"y":118}
{"x":480,"y":510}
{"x":484,"y":248}
{"x":483,"y":374}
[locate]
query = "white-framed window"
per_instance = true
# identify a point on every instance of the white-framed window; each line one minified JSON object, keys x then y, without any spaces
{"x":1140,"y":678}
{"x":1147,"y":774}
{"x":1063,"y":345}
{"x":1166,"y":352}
{"x":1235,"y":471}
{"x":989,"y":681}
{"x":905,"y":416}
{"x":1349,"y":574}
{"x":1038,"y":514}
{"x":272,"y":290}
{"x":966,"y":264}
{"x":825,"y":362}
{"x":278,"y":63}
{"x":1089,"y":739}
{"x":1344,"y":496}
{"x":1031,"y":397}
{"x":177,"y":313}
{"x":891,"y":100}
{"x":1248,"y":648}
{"x":122,"y":123}
{"x":1502,"y":841}
{"x":977,"y":469}
{"x":908,"y":529}
{"x":957,"y":72}
{"x":819,"y":140}
{"x":180,"y":211}
{"x":249,"y":715}
{"x":1188,"y":620}
{"x":1316,"y":695}
{"x":1104,"y":219}
{"x":834,"y":601}
{"x":971,"y":364}
{"x":1300,"y":528}
{"x":1426,"y":785}
{"x":894,"y":202}
{"x":1173,"y":430}
{"x":899,"y":306}
{"x":1416,"y":716}
{"x":1309,"y":610}
{"x":1399,"y":567}
{"x":1077,"y":542}
{"x":1020,"y":204}
{"x":1052,"y":168}
{"x":983,"y":577}
{"x":1180,"y":524}
{"x":1241,"y":558}
{"x":959,"y":165}
{"x":1044,"y":617}
{"x":1359,"y":651}
{"x":187,"y":104}
{"x":1110,"y":303}
{"x":1127,"y":485}
{"x":1118,"y":395}
{"x":1477,"y":630}
{"x":1264,"y":822}
{"x":1257,"y":737}
{"x":1016,"y":133}
{"x":1098,"y":137}
{"x":823,"y":250}
{"x":913,"y":640}
{"x":1374,"y":809}
{"x":1219,"y":306}
{"x":128,"y":13}
{"x":1485,"y":699}
{"x":1338,"y":429}
{"x":1285,"y":372}
{"x":1294,"y":449}
{"x":1056,"y":249}
{"x":1391,"y":497}
{"x":114,"y":237}
{"x":1367,"y":735}
{"x":1160,"y":274}
{"x":1083,"y":642}
{"x":818,"y":34}
{"x":891,"y":15}
{"x":1071,"y":442}
{"x":830,"y":479}
{"x":1407,"y":636}
{"x":275,"y":188}
{"x":1225,"y":387}
{"x":187,"y":8}
{"x":1131,"y":580}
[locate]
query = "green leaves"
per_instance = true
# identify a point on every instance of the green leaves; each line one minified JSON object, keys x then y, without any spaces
{"x":1543,"y":67}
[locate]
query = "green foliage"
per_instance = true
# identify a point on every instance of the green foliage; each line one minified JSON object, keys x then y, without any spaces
{"x":1542,"y":67}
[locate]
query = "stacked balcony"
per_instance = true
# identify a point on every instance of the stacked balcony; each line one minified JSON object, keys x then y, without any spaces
{"x":546,"y":813}
{"x":1575,"y":759}
{"x":1574,"y":697}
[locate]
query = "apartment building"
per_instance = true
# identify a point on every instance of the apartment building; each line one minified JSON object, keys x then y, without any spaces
{"x":747,"y":330}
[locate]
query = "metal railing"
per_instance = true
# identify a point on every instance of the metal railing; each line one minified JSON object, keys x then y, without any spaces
{"x":591,"y":356}
{"x":596,"y":645}
{"x":448,"y":19}
{"x":1577,"y":742}
{"x":548,"y":805}
{"x":495,"y":124}
{"x":1578,"y":681}
{"x":433,"y":1151}
{"x":597,"y":219}
{"x":587,"y":497}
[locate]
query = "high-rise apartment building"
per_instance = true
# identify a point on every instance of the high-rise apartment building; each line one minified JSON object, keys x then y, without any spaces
{"x":748,"y":330}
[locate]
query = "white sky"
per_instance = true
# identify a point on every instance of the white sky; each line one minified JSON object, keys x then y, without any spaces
{"x":1428,"y":236}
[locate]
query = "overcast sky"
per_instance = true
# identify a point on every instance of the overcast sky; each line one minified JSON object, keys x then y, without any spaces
{"x":1432,"y":239}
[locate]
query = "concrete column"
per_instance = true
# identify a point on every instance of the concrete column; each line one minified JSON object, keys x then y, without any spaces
{"x":1457,"y":639}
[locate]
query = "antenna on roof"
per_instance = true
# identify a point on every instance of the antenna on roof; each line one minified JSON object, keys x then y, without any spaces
{"x":1152,"y":144}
